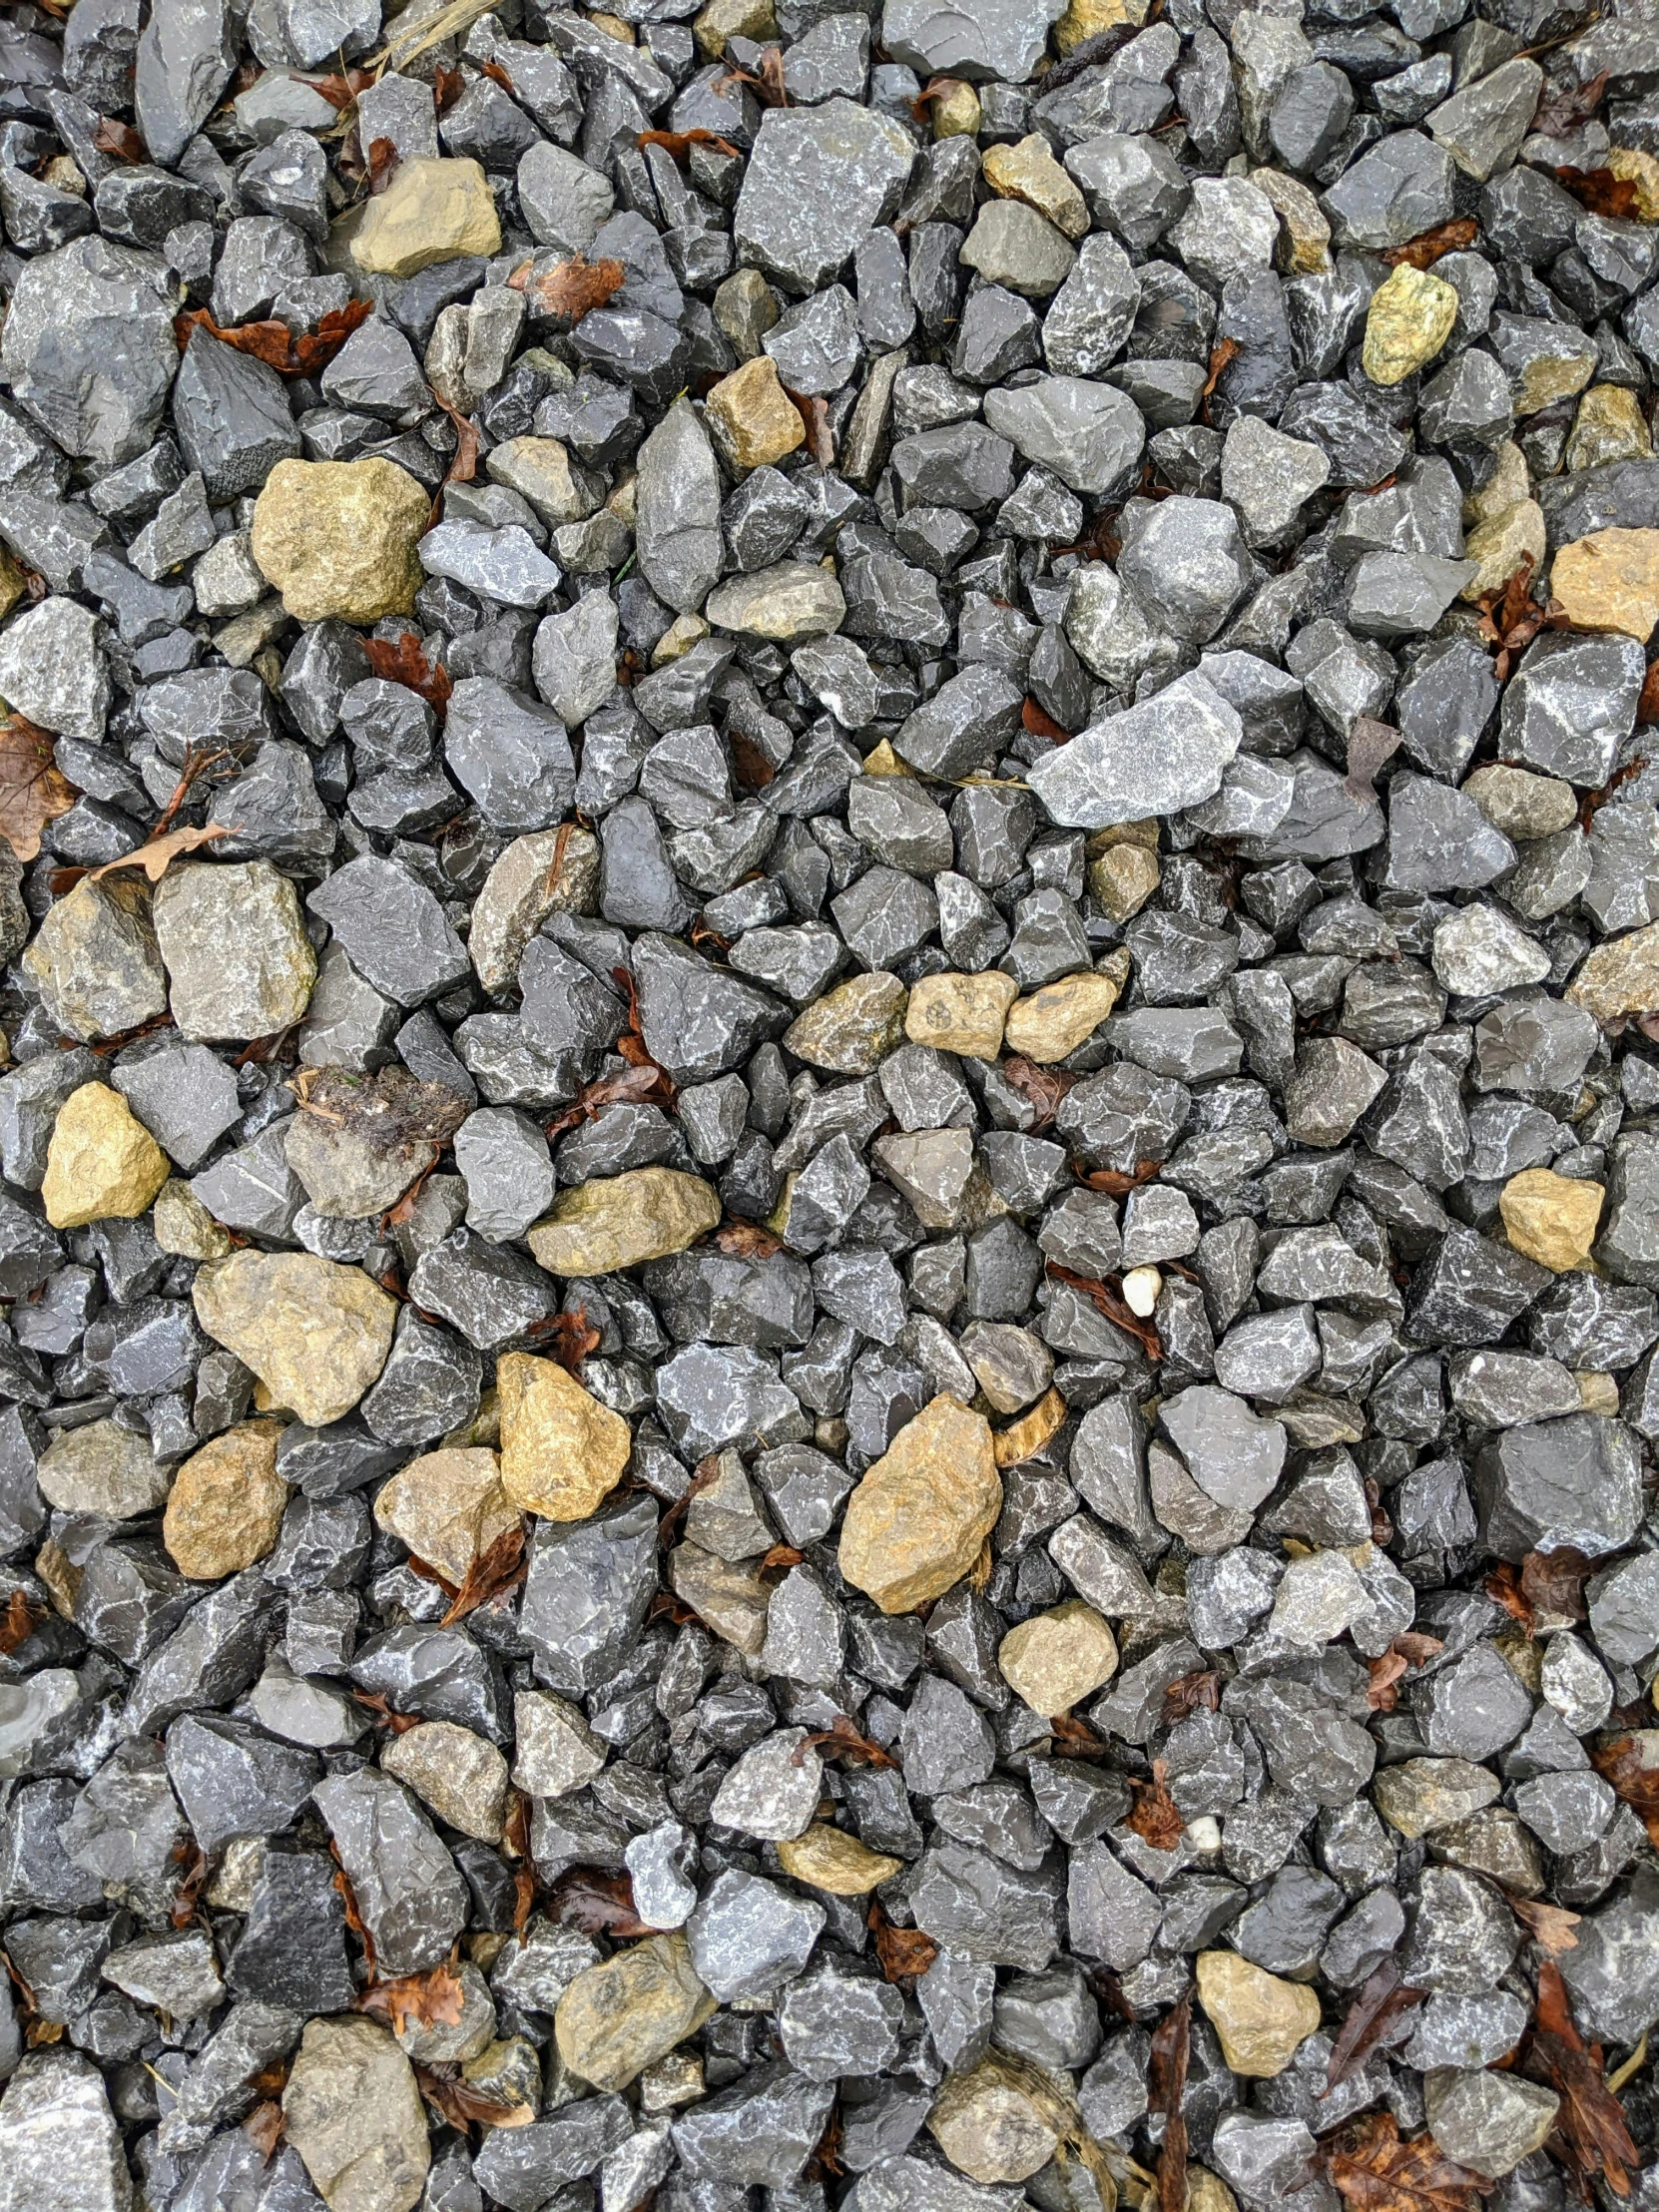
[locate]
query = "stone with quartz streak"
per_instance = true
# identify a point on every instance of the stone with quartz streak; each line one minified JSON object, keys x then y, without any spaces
{"x":60,"y":2145}
{"x":562,"y":1451}
{"x":919,"y":1516}
{"x":1155,"y":758}
{"x":316,"y":1334}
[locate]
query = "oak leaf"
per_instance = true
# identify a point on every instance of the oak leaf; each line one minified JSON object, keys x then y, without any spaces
{"x":1377,"y":2171}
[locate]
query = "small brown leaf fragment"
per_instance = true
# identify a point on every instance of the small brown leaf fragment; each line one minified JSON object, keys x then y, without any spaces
{"x":381,"y":164}
{"x":1503,"y":1586}
{"x":1550,"y":1926}
{"x":1424,"y":249}
{"x":158,"y":855}
{"x":17,"y":1624}
{"x":1113,"y":1180}
{"x":678,"y":144}
{"x":389,"y":1107}
{"x":814,"y":411}
{"x":1647,"y":706}
{"x":779,"y":1558}
{"x":747,"y":1240}
{"x":1377,"y":2171}
{"x":498,"y":76}
{"x":631,"y":1044}
{"x":1228,"y":351}
{"x":264,"y":2128}
{"x":1156,"y":1817}
{"x":1382,"y":1998}
{"x":500,"y":1567}
{"x":349,"y":1899}
{"x":1620,"y":1764}
{"x":639,"y":1085}
{"x":567,"y":1338}
{"x":1110,"y":1300}
{"x":1074,"y":1739}
{"x":465,"y":467}
{"x":463,"y":2106}
{"x":190,"y":1886}
{"x":1564,"y":107}
{"x":576,"y":287}
{"x":844,"y":1741}
{"x":596,"y":1903}
{"x":1590,"y":2127}
{"x":1040,"y":724}
{"x":119,"y":140}
{"x":900,"y":1951}
{"x":436,"y":1999}
{"x":32,"y":792}
{"x":402,"y":661}
{"x":340,"y":90}
{"x":1553,"y":1581}
{"x":1386,"y":1672}
{"x":447,"y":87}
{"x":399,"y":1724}
{"x":1189,"y":1691}
{"x":1166,"y":2087}
{"x":1043,"y":1087}
{"x":1601,"y":192}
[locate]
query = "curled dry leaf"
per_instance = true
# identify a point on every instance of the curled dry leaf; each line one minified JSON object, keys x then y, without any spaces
{"x":1424,"y":250}
{"x":1371,"y":2166}
{"x":274,"y":343}
{"x":567,"y":1338}
{"x":1620,"y":1764}
{"x":1189,"y":1691}
{"x":1553,"y":1581}
{"x":1156,"y":1817}
{"x":1590,"y":2127}
{"x":1383,"y":1999}
{"x":463,"y":2106}
{"x":158,"y":855}
{"x":678,"y":144}
{"x":436,"y":1999}
{"x":340,"y":89}
{"x":1601,"y":192}
{"x":1040,"y":724}
{"x":1108,"y":1298}
{"x":119,"y":140}
{"x":596,"y":1903}
{"x":1113,"y":1180}
{"x":402,"y":659}
{"x":32,"y":791}
{"x":186,"y":1897}
{"x":635,"y":1086}
{"x":17,"y":1624}
{"x":900,"y":1951}
{"x":576,"y":287}
{"x":844,"y":1741}
{"x":1550,"y":1926}
{"x":1647,"y":707}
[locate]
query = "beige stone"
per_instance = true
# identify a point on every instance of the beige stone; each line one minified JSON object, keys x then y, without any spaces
{"x":95,"y":959}
{"x":1609,"y":426}
{"x":1417,"y":1795}
{"x":960,"y":1013}
{"x":554,"y":1750}
{"x":1056,"y":1659}
{"x":1597,"y":1393}
{"x":561,"y":1451}
{"x":1508,"y":482}
{"x":1207,"y":2192}
{"x":728,"y":1596}
{"x":1124,"y":878}
{"x":101,"y":1161}
{"x":338,"y":538}
{"x":724,"y":19}
{"x":677,"y":639}
{"x":239,"y":961}
{"x":1551,"y":1218}
{"x":103,"y":1469}
{"x":1408,"y":321}
{"x":225,"y":1510}
{"x":617,"y":2017}
{"x":541,"y":471}
{"x":1610,"y":581}
{"x":851,"y":1029}
{"x":831,"y":1859}
{"x":1261,"y":2020}
{"x":789,"y":600}
{"x":455,"y":1771}
{"x":1085,"y":19}
{"x":1028,"y":171}
{"x":432,"y":211}
{"x":1304,"y":234}
{"x":448,"y":1506}
{"x":621,"y":1220}
{"x":353,"y":2113}
{"x":955,"y":109}
{"x":181,"y":1223}
{"x":1642,"y":169}
{"x":1521,"y":803}
{"x":1500,"y":543}
{"x":989,"y":2127}
{"x":547,"y":873}
{"x":1055,"y":1020}
{"x":1621,"y":977}
{"x":750,"y":416}
{"x":317,"y":1334}
{"x":920,"y":1516}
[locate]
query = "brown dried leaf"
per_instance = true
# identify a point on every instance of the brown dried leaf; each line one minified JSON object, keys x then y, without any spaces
{"x":119,"y":140}
{"x":497,"y":76}
{"x":678,"y":144}
{"x":576,"y":287}
{"x":1424,"y":249}
{"x":1563,"y":108}
{"x":436,"y":1999}
{"x":1503,"y":1586}
{"x":1550,"y":1926}
{"x":845,"y":1741}
{"x":1188,"y":1692}
{"x":638,"y":1085}
{"x":900,"y":1951}
{"x":1591,"y":2127}
{"x":17,"y":1624}
{"x":1113,"y":1180}
{"x":463,"y":2106}
{"x":596,"y":1903}
{"x":1601,"y":192}
{"x":1166,"y":2087}
{"x":348,"y":1896}
{"x":398,"y":1724}
{"x":1156,"y":1817}
{"x":447,"y":87}
{"x":1647,"y":707}
{"x":1109,"y":1299}
{"x":190,"y":1886}
{"x":567,"y":1338}
{"x":498,"y":1568}
{"x":32,"y":792}
{"x":381,"y":164}
{"x":631,"y":1044}
{"x":157,"y":855}
{"x":1620,"y":1763}
{"x":747,"y":1240}
{"x":779,"y":1558}
{"x":341,"y":91}
{"x":1553,"y":1581}
{"x":1376,"y":2172}
{"x":1381,"y":2001}
{"x":1386,"y":1672}
{"x":1043,"y":1087}
{"x":401,"y":659}
{"x":1040,"y":724}
{"x":264,"y":2128}
{"x":274,"y":343}
{"x":1228,"y":351}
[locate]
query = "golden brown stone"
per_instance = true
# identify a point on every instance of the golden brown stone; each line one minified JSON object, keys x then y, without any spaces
{"x":615,"y":2018}
{"x":561,"y":1451}
{"x":1501,"y":543}
{"x":851,"y":1029}
{"x":1609,"y":426}
{"x":1610,"y":581}
{"x":458,"y":1772}
{"x":448,"y":1506}
{"x":1124,"y":878}
{"x":1304,"y":234}
{"x":338,"y":538}
{"x":1055,"y":1019}
{"x":1056,"y":1659}
{"x":831,"y":1859}
{"x":432,"y":211}
{"x":916,"y":1523}
{"x":1408,"y":321}
{"x":225,"y":1508}
{"x":750,"y":417}
{"x":621,"y":1220}
{"x":1028,"y":171}
{"x":960,"y":1013}
{"x":1551,"y":1218}
{"x":1621,"y":977}
{"x":1642,"y":169}
{"x":989,"y":2127}
{"x":1087,"y":19}
{"x":1261,"y":2020}
{"x":101,"y":1161}
{"x":315,"y":1334}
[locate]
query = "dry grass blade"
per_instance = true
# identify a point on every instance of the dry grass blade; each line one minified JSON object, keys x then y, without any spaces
{"x":407,"y":46}
{"x":1382,"y":2000}
{"x":32,"y":791}
{"x":1166,"y":2086}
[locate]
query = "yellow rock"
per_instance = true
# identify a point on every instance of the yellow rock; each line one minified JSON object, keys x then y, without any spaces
{"x":181,"y":1223}
{"x":956,"y":112}
{"x":1522,"y":803}
{"x":1621,"y":977}
{"x":314,"y":1333}
{"x":960,"y":1013}
{"x":853,"y":1028}
{"x":100,"y":1161}
{"x":724,"y":19}
{"x":619,"y":1221}
{"x":1408,"y":321}
{"x":1056,"y":1659}
{"x":1054,"y":1020}
{"x":1610,"y":581}
{"x":225,"y":1508}
{"x":1124,"y":878}
{"x":1597,"y":1393}
{"x":432,"y":211}
{"x":1609,"y":426}
{"x":561,"y":1451}
{"x":1551,"y":1218}
{"x":617,"y":2017}
{"x":920,"y":1518}
{"x":1500,"y":543}
{"x":1261,"y":2020}
{"x":1641,"y":169}
{"x":448,"y":1506}
{"x":338,"y":538}
{"x":831,"y":1859}
{"x":1304,"y":242}
{"x":1507,"y":483}
{"x":1087,"y":18}
{"x":883,"y":761}
{"x":541,"y":471}
{"x":1028,"y":171}
{"x":750,"y":417}
{"x":1207,"y":2192}
{"x":677,"y":639}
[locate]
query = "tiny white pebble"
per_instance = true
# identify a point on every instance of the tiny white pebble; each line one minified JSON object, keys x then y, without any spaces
{"x":1140,"y":1289}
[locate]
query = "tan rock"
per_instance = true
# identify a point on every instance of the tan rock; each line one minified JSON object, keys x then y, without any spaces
{"x":1028,"y":171}
{"x":1642,"y":169}
{"x":353,"y":2113}
{"x":1124,"y":878}
{"x":920,"y":1516}
{"x":1508,"y":482}
{"x":101,"y":1161}
{"x":549,"y":871}
{"x":1207,"y":2192}
{"x":1056,"y":1659}
{"x":1417,"y":1795}
{"x":432,"y":211}
{"x":1304,"y":234}
{"x":960,"y":1013}
{"x":561,"y":1451}
{"x":1597,"y":1393}
{"x":458,"y":1772}
{"x":225,"y":1510}
{"x":1409,"y":319}
{"x":615,"y":2018}
{"x":555,"y":1751}
{"x":750,"y":416}
{"x":853,"y":1028}
{"x":831,"y":1859}
{"x":103,"y":1469}
{"x":1088,"y":18}
{"x":317,"y":1334}
{"x":955,"y":109}
{"x":1501,"y":543}
{"x":1521,"y":803}
{"x":542,"y":471}
{"x":239,"y":961}
{"x":1610,"y":581}
{"x":338,"y":538}
{"x":1620,"y":977}
{"x":1551,"y":1218}
{"x":789,"y":600}
{"x":989,"y":2125}
{"x":1609,"y":426}
{"x":181,"y":1223}
{"x":1055,"y":1020}
{"x":95,"y":959}
{"x":677,"y":639}
{"x":728,"y":1596}
{"x":1261,"y":2020}
{"x":619,"y":1220}
{"x":448,"y":1506}
{"x":724,"y":19}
